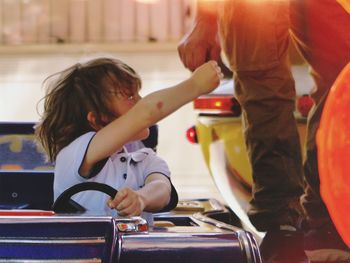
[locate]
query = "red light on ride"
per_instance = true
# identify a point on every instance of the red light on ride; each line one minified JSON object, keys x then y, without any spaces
{"x":224,"y":104}
{"x":304,"y":104}
{"x":333,"y":145}
{"x":191,"y":135}
{"x":143,"y":228}
{"x":213,"y":103}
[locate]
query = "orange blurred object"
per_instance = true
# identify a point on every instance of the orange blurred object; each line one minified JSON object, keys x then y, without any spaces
{"x":11,"y":167}
{"x":333,"y":142}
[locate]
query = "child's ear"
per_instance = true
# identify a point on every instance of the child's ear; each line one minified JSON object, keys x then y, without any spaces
{"x":92,"y":121}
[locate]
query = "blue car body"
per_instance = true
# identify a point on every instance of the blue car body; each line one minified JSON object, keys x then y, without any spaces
{"x":196,"y":231}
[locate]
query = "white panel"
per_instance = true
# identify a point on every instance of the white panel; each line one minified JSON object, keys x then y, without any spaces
{"x":29,"y":20}
{"x":159,"y":20}
{"x":59,"y":20}
{"x":12,"y":22}
{"x":94,"y":20}
{"x":77,"y":21}
{"x":127,"y":20}
{"x":143,"y":21}
{"x":111,"y":20}
{"x":177,"y":15}
{"x":43,"y":20}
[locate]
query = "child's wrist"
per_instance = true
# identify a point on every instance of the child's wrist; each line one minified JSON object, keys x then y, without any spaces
{"x":193,"y":85}
{"x":142,"y":202}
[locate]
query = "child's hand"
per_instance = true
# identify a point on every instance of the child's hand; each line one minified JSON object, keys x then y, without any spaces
{"x":207,"y":77}
{"x":127,"y":202}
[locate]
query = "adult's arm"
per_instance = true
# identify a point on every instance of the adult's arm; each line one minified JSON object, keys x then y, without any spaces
{"x":202,"y":42}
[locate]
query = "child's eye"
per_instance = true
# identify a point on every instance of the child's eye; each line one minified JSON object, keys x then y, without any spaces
{"x":131,"y":97}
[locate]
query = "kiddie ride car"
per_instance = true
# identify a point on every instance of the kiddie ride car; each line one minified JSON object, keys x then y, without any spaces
{"x":32,"y":230}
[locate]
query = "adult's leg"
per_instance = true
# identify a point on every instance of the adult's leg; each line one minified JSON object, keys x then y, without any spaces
{"x":321,"y":30}
{"x":255,"y":39}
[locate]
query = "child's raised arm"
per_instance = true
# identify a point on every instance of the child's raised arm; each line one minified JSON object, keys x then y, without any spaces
{"x":148,"y":111}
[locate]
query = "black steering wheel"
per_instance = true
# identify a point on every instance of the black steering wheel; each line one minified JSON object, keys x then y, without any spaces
{"x":64,"y":203}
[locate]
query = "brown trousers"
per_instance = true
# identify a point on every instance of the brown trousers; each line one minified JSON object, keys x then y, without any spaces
{"x":255,"y":38}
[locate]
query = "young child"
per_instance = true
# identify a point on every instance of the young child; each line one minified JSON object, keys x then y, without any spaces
{"x":91,"y":111}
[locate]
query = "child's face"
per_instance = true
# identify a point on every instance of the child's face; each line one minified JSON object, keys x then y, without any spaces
{"x":121,"y":104}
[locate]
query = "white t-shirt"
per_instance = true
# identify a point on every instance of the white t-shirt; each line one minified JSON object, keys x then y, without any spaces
{"x":120,"y":170}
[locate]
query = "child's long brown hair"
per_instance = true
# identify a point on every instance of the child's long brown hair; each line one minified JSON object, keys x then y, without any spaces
{"x":74,"y":92}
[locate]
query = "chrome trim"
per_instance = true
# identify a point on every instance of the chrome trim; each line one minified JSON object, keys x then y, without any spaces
{"x":247,"y":240}
{"x":113,"y":243}
{"x":93,"y":260}
{"x":132,"y":225}
{"x":216,"y":205}
{"x":249,"y":246}
{"x":54,"y":240}
{"x":65,"y":219}
{"x":135,"y":224}
{"x":244,"y":241}
{"x":254,"y":244}
{"x":119,"y":252}
{"x":214,"y":222}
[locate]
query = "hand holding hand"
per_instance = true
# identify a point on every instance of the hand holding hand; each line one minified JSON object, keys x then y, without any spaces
{"x":207,"y":77}
{"x":127,"y":202}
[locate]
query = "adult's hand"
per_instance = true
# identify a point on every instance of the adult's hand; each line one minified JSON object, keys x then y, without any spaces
{"x":201,"y":44}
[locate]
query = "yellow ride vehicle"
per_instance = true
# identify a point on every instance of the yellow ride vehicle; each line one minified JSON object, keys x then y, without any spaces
{"x":219,"y":132}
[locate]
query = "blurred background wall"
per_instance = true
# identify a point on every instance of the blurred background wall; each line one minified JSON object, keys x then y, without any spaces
{"x":93,"y":21}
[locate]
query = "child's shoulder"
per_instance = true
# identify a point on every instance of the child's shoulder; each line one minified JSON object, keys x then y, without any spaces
{"x":86,"y":137}
{"x":80,"y":142}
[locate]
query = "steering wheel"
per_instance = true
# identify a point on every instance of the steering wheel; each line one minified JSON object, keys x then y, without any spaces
{"x":64,"y":203}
